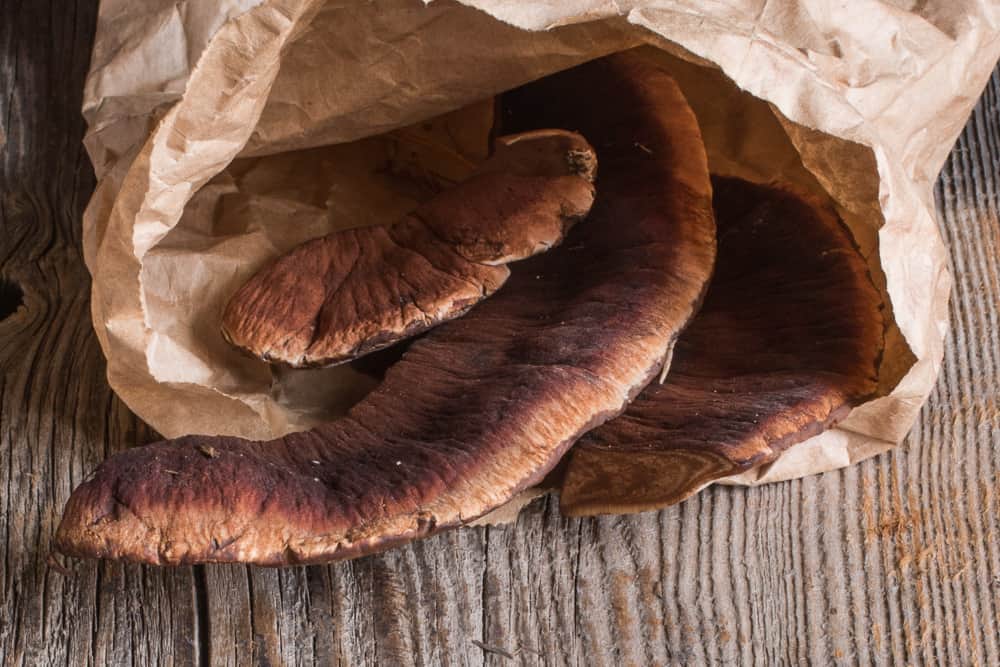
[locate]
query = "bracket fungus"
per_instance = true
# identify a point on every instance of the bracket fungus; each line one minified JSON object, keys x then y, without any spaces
{"x":349,"y":293}
{"x":788,"y":340}
{"x":481,"y":406}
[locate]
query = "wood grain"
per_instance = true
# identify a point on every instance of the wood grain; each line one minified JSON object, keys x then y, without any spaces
{"x":894,"y":561}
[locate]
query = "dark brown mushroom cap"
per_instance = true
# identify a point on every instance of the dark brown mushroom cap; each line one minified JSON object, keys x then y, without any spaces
{"x":789,"y":338}
{"x":479,"y":408}
{"x":354,"y":291}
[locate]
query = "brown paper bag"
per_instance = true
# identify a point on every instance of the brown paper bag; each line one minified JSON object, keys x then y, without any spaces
{"x":223,"y":135}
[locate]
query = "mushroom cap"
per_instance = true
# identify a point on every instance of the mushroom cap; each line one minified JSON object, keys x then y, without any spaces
{"x":340,"y":296}
{"x":788,"y":340}
{"x":479,"y":408}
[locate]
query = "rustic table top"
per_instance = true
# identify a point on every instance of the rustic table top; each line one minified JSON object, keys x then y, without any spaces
{"x":895,"y":560}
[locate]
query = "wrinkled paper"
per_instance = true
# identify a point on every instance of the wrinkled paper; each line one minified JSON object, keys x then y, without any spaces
{"x":224,"y":133}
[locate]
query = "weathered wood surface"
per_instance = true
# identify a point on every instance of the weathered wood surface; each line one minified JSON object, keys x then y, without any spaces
{"x":896,"y":560}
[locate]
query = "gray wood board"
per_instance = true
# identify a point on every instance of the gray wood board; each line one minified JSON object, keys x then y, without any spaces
{"x":895,"y":560}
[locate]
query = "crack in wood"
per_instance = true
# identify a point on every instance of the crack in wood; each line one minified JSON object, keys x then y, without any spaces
{"x":203,"y":618}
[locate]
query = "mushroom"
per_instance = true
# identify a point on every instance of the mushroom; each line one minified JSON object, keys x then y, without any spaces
{"x":355,"y":291}
{"x":788,"y":340}
{"x":479,"y":408}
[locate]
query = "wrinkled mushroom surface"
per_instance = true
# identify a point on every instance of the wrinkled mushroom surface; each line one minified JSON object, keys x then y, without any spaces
{"x":789,"y":338}
{"x":354,"y":291}
{"x":476,"y":410}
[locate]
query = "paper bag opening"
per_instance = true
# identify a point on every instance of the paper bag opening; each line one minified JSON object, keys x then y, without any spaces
{"x":289,"y":127}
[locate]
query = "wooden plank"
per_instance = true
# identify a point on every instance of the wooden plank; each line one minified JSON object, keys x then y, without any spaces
{"x":896,"y":560}
{"x":57,"y":414}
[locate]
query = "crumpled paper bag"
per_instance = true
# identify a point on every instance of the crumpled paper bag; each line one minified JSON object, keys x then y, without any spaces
{"x":226,"y":132}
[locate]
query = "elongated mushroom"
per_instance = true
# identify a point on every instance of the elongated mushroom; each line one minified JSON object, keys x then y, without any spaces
{"x":355,"y":291}
{"x":788,"y":340}
{"x":480,"y":407}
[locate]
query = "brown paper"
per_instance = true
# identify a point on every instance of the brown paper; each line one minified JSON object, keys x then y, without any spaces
{"x":223,"y":135}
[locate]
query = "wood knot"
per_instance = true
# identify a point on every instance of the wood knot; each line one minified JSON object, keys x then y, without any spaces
{"x":11,"y":298}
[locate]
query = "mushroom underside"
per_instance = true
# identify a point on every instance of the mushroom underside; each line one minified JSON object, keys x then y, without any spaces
{"x":788,"y":340}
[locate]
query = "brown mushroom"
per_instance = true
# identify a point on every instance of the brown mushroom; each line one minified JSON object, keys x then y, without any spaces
{"x":479,"y":408}
{"x":789,"y":338}
{"x":355,"y":291}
